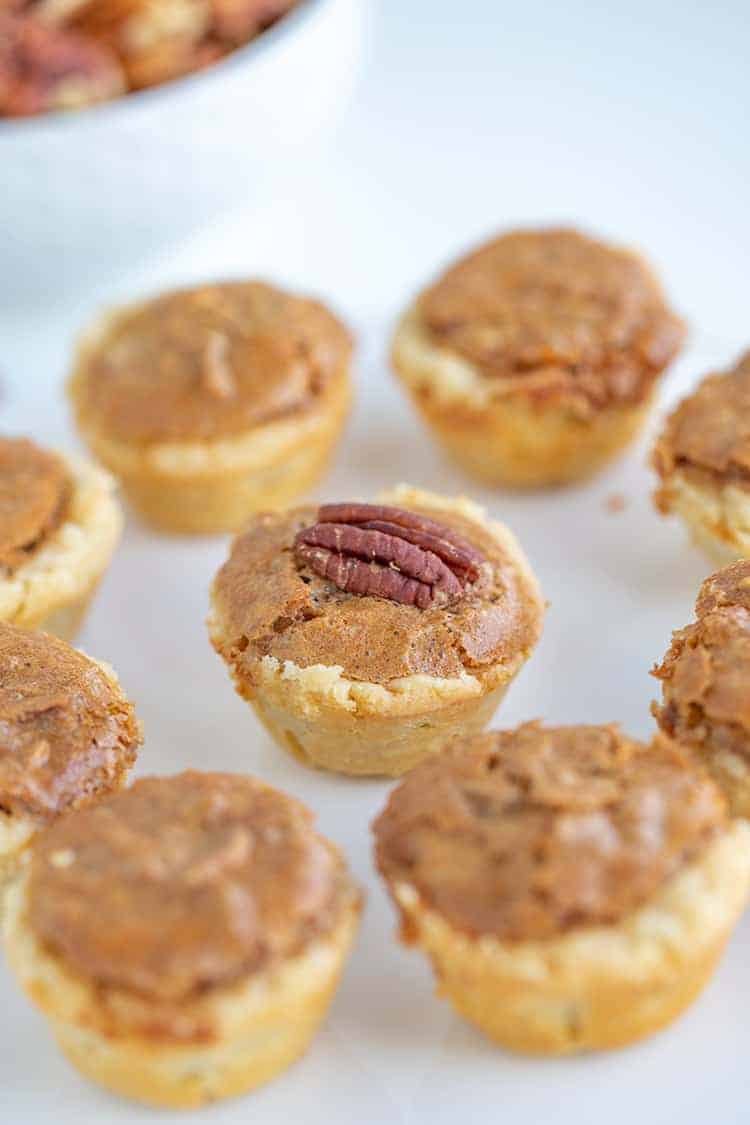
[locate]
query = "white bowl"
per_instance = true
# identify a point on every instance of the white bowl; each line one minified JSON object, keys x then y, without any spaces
{"x":160,"y":163}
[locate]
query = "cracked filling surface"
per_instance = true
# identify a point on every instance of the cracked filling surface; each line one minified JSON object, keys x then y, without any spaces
{"x":529,"y":833}
{"x":183,"y":883}
{"x":560,"y":314}
{"x":66,"y":733}
{"x":271,"y":605}
{"x":707,"y":437}
{"x":209,"y":362}
{"x":706,"y":670}
{"x":34,"y":489}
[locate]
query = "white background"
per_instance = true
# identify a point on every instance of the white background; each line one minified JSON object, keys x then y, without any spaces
{"x":632,"y":121}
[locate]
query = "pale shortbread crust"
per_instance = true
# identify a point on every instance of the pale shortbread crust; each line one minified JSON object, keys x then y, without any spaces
{"x":731,"y":772}
{"x":63,"y":573}
{"x":597,"y":987}
{"x":494,"y":429}
{"x":451,"y":379}
{"x":717,"y":516}
{"x":249,"y":1031}
{"x":359,"y":727}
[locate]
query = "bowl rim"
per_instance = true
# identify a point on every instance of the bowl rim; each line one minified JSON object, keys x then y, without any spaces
{"x":297,"y":19}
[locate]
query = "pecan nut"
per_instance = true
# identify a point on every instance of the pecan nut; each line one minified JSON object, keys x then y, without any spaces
{"x":388,"y":553}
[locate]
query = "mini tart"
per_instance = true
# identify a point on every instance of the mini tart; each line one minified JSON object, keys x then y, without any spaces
{"x":704,"y":677}
{"x":360,"y":683}
{"x":68,"y":736}
{"x":703,"y":462}
{"x":573,"y":888}
{"x":534,"y":358}
{"x":184,"y":937}
{"x":59,"y":525}
{"x":214,"y":402}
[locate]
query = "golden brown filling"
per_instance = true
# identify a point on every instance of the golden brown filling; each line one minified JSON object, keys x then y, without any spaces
{"x":561,"y":314}
{"x":706,"y":670}
{"x":708,"y":435}
{"x":34,"y":489}
{"x":271,"y":603}
{"x":183,"y":883}
{"x":526,"y":834}
{"x":210,"y":362}
{"x":66,"y":734}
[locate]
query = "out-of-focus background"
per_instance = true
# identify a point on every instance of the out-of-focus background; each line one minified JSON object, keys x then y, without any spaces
{"x":631,"y":120}
{"x":434,"y":125}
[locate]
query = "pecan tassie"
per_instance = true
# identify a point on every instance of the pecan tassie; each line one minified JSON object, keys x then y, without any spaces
{"x":370,"y":549}
{"x":561,"y":314}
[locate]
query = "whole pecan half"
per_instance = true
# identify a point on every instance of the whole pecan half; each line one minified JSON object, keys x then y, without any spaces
{"x":388,"y":553}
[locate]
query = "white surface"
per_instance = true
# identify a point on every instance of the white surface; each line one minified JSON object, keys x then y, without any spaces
{"x":635,"y":125}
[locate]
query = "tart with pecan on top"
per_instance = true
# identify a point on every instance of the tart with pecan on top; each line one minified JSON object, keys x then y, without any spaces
{"x":367,"y":635}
